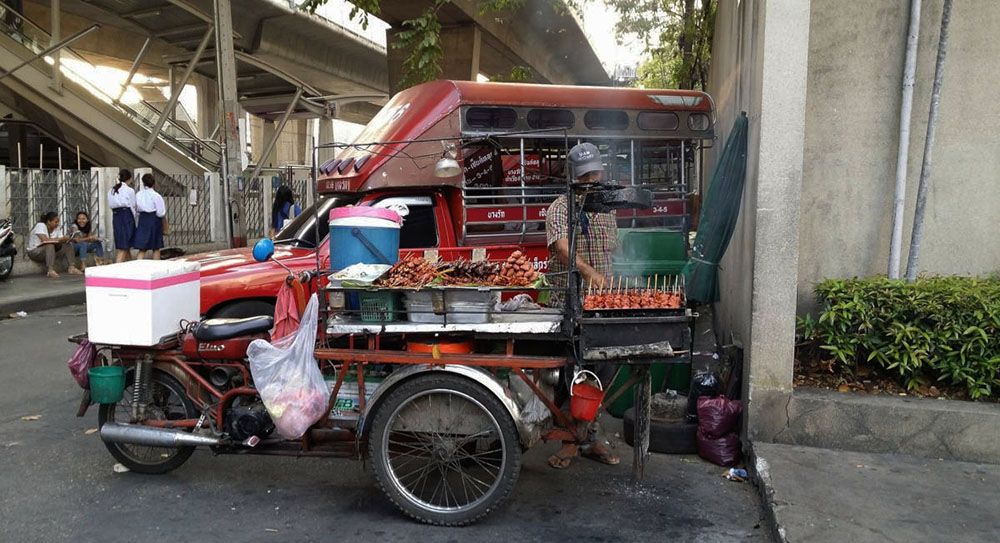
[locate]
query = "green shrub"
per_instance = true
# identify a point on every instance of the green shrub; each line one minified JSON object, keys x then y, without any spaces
{"x":937,"y":328}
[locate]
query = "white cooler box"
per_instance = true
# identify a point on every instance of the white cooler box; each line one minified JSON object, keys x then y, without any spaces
{"x":142,"y":301}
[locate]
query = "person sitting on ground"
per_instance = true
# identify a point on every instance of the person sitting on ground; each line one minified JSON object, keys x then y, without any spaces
{"x":45,"y":243}
{"x":84,"y":235}
{"x":152,"y":219}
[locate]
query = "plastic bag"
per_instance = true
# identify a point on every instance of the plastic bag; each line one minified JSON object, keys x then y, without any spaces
{"x":521,"y":302}
{"x":702,"y":384}
{"x":718,"y":416}
{"x":81,"y":361}
{"x":723,"y":451}
{"x":288,"y":378}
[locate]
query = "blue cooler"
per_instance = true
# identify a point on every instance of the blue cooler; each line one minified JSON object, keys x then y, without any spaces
{"x":363,"y":235}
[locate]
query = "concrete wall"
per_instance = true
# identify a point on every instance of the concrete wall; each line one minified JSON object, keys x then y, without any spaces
{"x":763,"y":73}
{"x":856,"y":52}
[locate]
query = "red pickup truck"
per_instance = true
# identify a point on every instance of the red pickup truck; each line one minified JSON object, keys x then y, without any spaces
{"x":510,"y":140}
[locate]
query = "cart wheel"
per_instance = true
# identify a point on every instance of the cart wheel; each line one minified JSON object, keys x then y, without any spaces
{"x":444,"y":449}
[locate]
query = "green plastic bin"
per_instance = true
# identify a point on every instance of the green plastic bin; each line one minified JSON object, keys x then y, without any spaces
{"x":649,"y":252}
{"x":107,"y":383}
{"x":665,"y":376}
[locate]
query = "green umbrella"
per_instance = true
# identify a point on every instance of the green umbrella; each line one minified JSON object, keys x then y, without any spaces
{"x":719,"y":212}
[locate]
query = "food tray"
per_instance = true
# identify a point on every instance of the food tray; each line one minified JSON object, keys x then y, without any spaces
{"x":467,"y":306}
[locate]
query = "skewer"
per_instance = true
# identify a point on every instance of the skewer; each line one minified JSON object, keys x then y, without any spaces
{"x":590,"y":285}
{"x":647,"y":282}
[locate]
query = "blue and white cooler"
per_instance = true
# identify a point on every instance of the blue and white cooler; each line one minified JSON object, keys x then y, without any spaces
{"x":363,"y":235}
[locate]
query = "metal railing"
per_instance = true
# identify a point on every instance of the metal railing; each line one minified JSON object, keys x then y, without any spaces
{"x":187,"y":198}
{"x":206,"y":152}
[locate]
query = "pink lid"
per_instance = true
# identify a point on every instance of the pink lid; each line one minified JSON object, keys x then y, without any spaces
{"x":365,"y":211}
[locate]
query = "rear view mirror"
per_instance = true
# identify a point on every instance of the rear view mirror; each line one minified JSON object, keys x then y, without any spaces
{"x":263,"y":250}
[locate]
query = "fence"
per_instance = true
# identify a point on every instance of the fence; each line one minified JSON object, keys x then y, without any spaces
{"x":196,"y":209}
{"x":30,"y":193}
{"x":189,"y":209}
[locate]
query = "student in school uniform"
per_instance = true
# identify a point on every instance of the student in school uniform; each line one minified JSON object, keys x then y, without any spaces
{"x":121,"y":200}
{"x":152,"y":219}
{"x":86,"y":239}
{"x":46,"y":242}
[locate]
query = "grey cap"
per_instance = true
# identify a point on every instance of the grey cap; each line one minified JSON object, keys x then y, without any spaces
{"x":585,"y":158}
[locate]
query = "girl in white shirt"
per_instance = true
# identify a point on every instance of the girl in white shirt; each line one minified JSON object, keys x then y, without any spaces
{"x":121,"y":199}
{"x":152,"y":219}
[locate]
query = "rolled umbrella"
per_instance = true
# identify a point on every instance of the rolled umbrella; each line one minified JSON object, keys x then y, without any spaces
{"x":718,"y":217}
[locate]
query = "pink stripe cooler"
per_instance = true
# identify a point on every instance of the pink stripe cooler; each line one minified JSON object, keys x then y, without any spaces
{"x":141,"y":302}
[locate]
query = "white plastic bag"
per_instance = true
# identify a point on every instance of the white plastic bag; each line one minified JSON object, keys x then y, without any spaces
{"x":288,"y":378}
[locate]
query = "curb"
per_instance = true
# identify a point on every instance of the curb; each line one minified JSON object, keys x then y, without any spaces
{"x":42,"y":303}
{"x":762,"y":478}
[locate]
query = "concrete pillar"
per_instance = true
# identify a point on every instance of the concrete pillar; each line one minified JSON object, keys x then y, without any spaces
{"x":4,"y":196}
{"x":325,"y":135}
{"x":235,"y":144}
{"x":301,"y":155}
{"x":774,"y":182}
{"x":461,"y":46}
{"x":208,"y":105}
{"x":106,"y":178}
{"x":216,"y":207}
{"x":137,"y":175}
{"x":267,"y":133}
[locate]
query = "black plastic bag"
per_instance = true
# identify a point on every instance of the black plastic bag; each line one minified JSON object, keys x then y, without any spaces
{"x":723,"y":451}
{"x":702,"y":384}
{"x":718,"y":416}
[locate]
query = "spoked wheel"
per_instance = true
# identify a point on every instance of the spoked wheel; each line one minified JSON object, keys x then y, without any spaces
{"x":444,"y":449}
{"x":167,"y":402}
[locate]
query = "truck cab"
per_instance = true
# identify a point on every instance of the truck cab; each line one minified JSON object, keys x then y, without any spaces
{"x":510,"y":141}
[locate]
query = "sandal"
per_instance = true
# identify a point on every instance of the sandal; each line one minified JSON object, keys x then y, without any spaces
{"x":563,"y":458}
{"x":600,"y":453}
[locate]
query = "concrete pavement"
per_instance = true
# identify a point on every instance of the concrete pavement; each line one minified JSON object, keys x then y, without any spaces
{"x":37,"y":292}
{"x":59,"y":484}
{"x":821,"y":495}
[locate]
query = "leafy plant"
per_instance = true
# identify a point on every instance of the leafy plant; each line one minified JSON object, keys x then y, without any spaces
{"x":936,"y":328}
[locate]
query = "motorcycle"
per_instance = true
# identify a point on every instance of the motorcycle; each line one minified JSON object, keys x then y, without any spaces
{"x":7,"y":249}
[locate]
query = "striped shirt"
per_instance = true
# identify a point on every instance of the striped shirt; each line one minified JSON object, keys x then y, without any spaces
{"x":594,"y":246}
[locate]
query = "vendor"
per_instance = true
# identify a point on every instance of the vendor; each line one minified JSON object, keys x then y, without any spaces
{"x":596,"y":239}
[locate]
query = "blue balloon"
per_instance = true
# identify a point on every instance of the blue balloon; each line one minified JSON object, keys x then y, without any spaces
{"x":263,"y":250}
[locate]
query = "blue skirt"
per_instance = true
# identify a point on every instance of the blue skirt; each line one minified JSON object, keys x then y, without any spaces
{"x":149,"y":233}
{"x":124,"y":227}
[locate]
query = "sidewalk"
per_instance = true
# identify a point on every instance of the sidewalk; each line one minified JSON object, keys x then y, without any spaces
{"x":828,"y":495}
{"x":37,"y":292}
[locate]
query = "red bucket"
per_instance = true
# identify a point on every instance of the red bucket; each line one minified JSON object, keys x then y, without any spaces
{"x":585,"y":398}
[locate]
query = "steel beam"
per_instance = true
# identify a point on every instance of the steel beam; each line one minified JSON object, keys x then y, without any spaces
{"x":277,"y":132}
{"x":174,"y":96}
{"x":135,"y":67}
{"x":180,"y":30}
{"x":52,"y":48}
{"x":55,"y":34}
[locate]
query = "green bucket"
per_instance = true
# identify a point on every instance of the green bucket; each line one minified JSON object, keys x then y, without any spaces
{"x":106,"y":384}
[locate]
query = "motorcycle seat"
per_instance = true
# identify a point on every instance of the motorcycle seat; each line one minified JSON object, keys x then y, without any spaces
{"x":219,"y":329}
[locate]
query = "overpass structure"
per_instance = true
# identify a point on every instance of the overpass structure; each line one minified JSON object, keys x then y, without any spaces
{"x":276,"y":62}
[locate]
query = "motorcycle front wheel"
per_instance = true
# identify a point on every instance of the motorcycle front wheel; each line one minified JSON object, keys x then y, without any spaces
{"x":167,"y":402}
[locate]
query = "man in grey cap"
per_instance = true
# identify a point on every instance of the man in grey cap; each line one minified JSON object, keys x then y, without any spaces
{"x":596,"y":239}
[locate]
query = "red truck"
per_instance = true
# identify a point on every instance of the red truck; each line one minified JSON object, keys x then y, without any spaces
{"x":510,"y":141}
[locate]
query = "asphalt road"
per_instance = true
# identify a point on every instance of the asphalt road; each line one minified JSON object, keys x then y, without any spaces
{"x":58,"y":483}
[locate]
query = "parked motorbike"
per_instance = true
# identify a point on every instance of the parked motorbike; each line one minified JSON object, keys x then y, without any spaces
{"x":7,"y":249}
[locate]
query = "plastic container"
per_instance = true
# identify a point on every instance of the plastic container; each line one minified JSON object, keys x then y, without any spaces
{"x":673,"y":376}
{"x":363,"y":235}
{"x":461,"y":306}
{"x":142,"y":301}
{"x":378,"y":306}
{"x":348,"y":403}
{"x":107,"y":384}
{"x":585,"y":398}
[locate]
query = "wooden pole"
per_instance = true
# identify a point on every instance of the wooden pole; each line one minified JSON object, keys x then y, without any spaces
{"x":78,"y":158}
{"x":41,"y":151}
{"x":19,"y":166}
{"x":59,"y":153}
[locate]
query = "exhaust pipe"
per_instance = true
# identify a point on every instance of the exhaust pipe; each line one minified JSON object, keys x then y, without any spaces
{"x":113,"y":432}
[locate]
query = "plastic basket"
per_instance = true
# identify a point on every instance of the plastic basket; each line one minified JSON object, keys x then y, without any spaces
{"x":378,"y":306}
{"x":107,"y":383}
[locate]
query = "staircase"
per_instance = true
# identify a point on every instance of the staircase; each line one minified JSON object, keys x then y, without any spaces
{"x":88,"y":112}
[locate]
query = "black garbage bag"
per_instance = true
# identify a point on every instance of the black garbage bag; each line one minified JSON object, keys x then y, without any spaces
{"x":703,"y":383}
{"x":718,"y":416}
{"x":718,"y":430}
